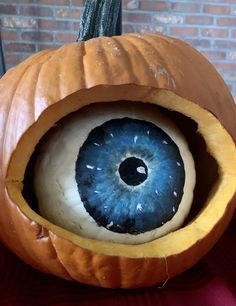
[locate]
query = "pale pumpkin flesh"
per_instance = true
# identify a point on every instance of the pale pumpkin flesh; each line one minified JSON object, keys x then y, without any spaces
{"x":55,"y":250}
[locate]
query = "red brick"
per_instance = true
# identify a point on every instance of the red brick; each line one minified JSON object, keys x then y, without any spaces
{"x":234,"y":96}
{"x":48,"y":46}
{"x":229,"y":1}
{"x":65,"y":37}
{"x":68,"y":13}
{"x":216,"y":9}
{"x":147,"y":28}
{"x":75,"y":26}
{"x":7,"y":9}
{"x":233,"y":10}
{"x":215,"y":55}
{"x":199,"y":19}
{"x":199,"y":43}
{"x":127,"y":28}
{"x":130,"y":4}
{"x":136,"y":17}
{"x":54,"y":24}
{"x":8,"y":35}
{"x":233,"y":34}
{"x":54,"y":2}
{"x":232,"y":56}
{"x":225,"y":1}
{"x":19,"y":47}
{"x":229,"y":76}
{"x":37,"y":36}
{"x":229,"y":86}
{"x":225,"y":66}
{"x":17,"y":1}
{"x":185,"y":7}
{"x":168,"y":19}
{"x":78,"y":2}
{"x":179,"y":31}
{"x":154,"y":6}
{"x":225,"y":44}
{"x":13,"y":59}
{"x":227,"y":22}
{"x":36,"y":11}
{"x":18,"y":22}
{"x":216,"y":32}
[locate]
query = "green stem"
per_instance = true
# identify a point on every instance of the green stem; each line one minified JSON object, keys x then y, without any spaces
{"x":100,"y":18}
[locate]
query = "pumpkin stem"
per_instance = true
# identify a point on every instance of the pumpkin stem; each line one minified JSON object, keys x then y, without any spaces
{"x":100,"y":18}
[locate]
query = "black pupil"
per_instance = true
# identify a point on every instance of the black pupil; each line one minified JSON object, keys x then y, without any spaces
{"x":133,"y":171}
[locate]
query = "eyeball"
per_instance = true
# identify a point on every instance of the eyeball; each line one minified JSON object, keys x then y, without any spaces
{"x":120,"y":172}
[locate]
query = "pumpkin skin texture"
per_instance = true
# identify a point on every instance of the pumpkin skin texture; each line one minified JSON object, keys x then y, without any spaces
{"x":148,"y":68}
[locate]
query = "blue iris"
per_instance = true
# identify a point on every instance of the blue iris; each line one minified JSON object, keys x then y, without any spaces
{"x":130,"y":176}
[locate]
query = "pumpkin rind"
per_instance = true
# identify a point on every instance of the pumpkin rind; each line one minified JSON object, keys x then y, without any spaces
{"x":133,"y":67}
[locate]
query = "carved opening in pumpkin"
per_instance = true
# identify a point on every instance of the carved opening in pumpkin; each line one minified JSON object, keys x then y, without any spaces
{"x":193,"y":240}
{"x":206,"y":166}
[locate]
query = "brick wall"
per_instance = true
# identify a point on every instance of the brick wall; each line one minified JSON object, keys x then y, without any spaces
{"x":28,"y":26}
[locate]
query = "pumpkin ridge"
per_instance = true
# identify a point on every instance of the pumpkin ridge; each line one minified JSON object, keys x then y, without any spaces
{"x":39,"y":107}
{"x":58,"y":256}
{"x":120,"y":41}
{"x":93,"y":51}
{"x":96,"y":270}
{"x":8,"y":100}
{"x":119,"y":270}
{"x":28,"y":108}
{"x":78,"y":64}
{"x":164,"y":38}
{"x":6,"y":122}
{"x":56,"y":80}
{"x":82,"y":46}
{"x":34,"y":100}
{"x":171,"y":82}
{"x":199,"y":73}
{"x":162,"y":70}
{"x":81,"y":270}
{"x":132,"y":41}
{"x":217,"y":101}
{"x":104,"y":56}
{"x":39,"y":57}
{"x":34,"y":59}
{"x":25,"y":66}
{"x":151,"y":40}
{"x":74,"y":59}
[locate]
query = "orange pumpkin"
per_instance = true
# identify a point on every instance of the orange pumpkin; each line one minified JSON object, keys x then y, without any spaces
{"x":146,"y":68}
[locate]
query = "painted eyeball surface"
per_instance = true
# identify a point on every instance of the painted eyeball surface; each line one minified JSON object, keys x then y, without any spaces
{"x":120,"y":172}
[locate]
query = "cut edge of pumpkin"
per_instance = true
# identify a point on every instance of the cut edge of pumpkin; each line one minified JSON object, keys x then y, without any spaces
{"x":214,"y":210}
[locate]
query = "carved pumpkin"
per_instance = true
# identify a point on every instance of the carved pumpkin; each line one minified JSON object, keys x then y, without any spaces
{"x":146,"y":68}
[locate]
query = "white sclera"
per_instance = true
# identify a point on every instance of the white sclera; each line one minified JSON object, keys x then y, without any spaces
{"x":55,"y":185}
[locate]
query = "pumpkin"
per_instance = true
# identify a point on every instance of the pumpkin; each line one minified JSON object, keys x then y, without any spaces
{"x":154,"y":69}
